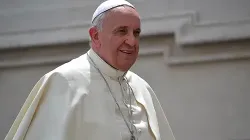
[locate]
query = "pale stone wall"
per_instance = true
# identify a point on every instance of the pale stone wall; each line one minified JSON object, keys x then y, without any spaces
{"x":26,"y":22}
{"x":15,"y":85}
{"x":194,"y":53}
{"x":204,"y":90}
{"x":206,"y":100}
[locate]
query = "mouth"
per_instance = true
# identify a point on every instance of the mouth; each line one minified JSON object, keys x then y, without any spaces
{"x":126,"y":51}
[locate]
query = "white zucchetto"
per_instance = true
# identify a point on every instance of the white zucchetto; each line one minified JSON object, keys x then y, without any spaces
{"x":109,"y":4}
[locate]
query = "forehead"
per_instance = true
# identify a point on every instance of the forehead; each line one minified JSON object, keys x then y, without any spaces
{"x":122,"y":16}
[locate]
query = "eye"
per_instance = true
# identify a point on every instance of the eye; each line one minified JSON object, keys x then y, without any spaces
{"x":122,"y":31}
{"x":137,"y":33}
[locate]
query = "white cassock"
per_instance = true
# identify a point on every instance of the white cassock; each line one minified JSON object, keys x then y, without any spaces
{"x":73,"y":102}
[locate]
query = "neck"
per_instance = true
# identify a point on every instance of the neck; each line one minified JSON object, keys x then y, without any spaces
{"x":105,"y":67}
{"x":97,"y":52}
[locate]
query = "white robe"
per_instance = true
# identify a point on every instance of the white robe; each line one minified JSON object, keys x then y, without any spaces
{"x":72,"y":102}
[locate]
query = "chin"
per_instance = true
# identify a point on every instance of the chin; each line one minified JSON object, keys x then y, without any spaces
{"x":125,"y":67}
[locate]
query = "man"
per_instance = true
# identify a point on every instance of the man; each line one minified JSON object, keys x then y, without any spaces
{"x":95,"y":96}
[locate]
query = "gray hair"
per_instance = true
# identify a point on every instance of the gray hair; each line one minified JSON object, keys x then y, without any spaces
{"x":97,"y":22}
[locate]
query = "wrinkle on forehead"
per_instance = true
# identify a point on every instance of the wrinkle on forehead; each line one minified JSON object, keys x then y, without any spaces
{"x":116,"y":16}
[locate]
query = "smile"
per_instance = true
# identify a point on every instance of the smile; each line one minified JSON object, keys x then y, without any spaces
{"x":126,"y":51}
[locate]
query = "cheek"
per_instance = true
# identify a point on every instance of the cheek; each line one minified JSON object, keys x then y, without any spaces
{"x":116,"y":44}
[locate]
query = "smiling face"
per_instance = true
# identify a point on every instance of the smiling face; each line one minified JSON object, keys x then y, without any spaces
{"x":117,"y":42}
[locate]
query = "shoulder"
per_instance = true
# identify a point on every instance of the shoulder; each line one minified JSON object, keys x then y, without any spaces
{"x":140,"y":87}
{"x":136,"y":79}
{"x":70,"y":74}
{"x":72,"y":69}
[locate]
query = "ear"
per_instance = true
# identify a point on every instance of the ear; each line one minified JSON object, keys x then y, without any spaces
{"x":94,"y":34}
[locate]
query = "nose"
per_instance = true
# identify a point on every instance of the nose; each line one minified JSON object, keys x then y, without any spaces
{"x":131,"y":39}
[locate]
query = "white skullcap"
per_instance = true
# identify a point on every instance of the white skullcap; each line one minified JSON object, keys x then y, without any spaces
{"x":109,"y":4}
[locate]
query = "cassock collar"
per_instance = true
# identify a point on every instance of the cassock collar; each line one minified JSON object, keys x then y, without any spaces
{"x":104,"y":67}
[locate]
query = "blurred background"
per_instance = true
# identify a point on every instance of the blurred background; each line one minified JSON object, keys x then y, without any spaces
{"x":194,"y":53}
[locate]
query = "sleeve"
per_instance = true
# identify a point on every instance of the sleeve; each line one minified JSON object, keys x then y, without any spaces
{"x":164,"y":126}
{"x":48,"y":122}
{"x":43,"y":114}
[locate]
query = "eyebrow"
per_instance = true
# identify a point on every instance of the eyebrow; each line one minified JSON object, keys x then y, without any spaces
{"x":124,"y":27}
{"x":120,"y":27}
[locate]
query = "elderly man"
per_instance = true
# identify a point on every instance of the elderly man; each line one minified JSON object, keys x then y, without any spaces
{"x":95,"y":96}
